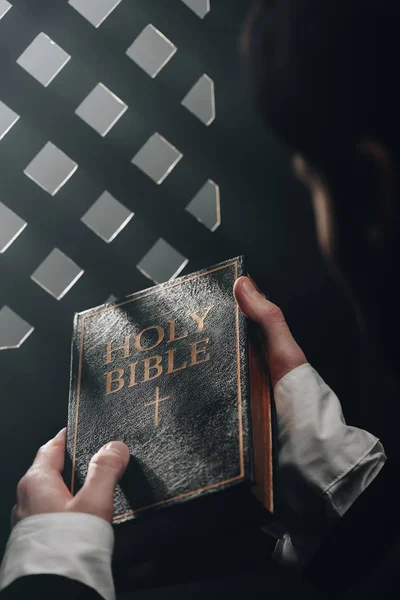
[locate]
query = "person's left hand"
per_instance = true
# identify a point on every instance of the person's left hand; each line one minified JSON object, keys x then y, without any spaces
{"x":42,"y":488}
{"x":283,"y":352}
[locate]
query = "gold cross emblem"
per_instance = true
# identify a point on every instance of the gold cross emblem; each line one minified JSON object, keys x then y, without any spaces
{"x":157,"y":403}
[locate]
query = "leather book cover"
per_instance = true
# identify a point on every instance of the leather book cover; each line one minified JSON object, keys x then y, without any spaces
{"x":167,"y":371}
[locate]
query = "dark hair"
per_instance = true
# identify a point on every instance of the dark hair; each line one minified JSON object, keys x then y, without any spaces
{"x":326,"y":73}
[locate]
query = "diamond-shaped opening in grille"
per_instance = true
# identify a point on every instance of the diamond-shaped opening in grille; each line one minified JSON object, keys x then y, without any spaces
{"x":101,"y":109}
{"x":43,"y":59}
{"x":200,"y":7}
{"x":11,"y":226}
{"x":206,"y":207}
{"x":51,"y":169}
{"x":57,"y":274}
{"x":201,"y":100}
{"x":13,"y":329}
{"x":162,"y":262}
{"x":8,"y":118}
{"x":157,"y":158}
{"x":107,"y":217}
{"x":94,"y":11}
{"x":151,"y":50}
{"x":4,"y":8}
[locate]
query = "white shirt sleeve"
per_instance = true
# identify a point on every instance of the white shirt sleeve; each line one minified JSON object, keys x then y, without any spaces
{"x":324,"y":464}
{"x":74,"y":545}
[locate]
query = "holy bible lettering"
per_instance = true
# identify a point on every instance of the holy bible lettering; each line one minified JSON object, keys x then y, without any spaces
{"x":172,"y":371}
{"x":147,"y":340}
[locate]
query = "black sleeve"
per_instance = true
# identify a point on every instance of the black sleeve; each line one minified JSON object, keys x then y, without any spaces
{"x":55,"y":587}
{"x":364,"y":537}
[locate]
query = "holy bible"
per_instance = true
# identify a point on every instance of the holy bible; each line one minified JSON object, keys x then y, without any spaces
{"x":176,"y":373}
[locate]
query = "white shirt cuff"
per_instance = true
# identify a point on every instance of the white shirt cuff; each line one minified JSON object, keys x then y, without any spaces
{"x":324,"y":464}
{"x":74,"y":545}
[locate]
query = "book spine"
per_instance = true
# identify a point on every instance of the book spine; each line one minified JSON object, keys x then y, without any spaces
{"x":68,"y":474}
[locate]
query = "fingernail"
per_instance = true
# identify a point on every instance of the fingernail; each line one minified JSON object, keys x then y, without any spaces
{"x":61,"y":432}
{"x":114,"y":446}
{"x":255,"y":285}
{"x":248,"y":287}
{"x":118,"y":449}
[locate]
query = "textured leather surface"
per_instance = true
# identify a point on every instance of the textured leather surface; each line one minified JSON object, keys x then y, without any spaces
{"x":202,"y":437}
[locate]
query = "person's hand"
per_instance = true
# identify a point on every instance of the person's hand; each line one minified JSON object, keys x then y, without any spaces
{"x":283,"y":352}
{"x":42,"y":489}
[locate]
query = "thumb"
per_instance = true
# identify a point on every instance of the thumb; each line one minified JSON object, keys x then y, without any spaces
{"x":105,"y":470}
{"x":283,"y":352}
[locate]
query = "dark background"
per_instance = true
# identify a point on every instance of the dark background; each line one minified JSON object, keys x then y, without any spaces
{"x":266,"y":213}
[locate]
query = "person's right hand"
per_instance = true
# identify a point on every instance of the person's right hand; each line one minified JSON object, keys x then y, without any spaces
{"x":42,"y":488}
{"x":283,"y":352}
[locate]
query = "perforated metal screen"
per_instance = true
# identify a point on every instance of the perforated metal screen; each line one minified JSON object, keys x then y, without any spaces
{"x":90,"y":127}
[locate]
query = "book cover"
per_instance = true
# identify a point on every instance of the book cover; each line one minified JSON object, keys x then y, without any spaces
{"x":171,"y":372}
